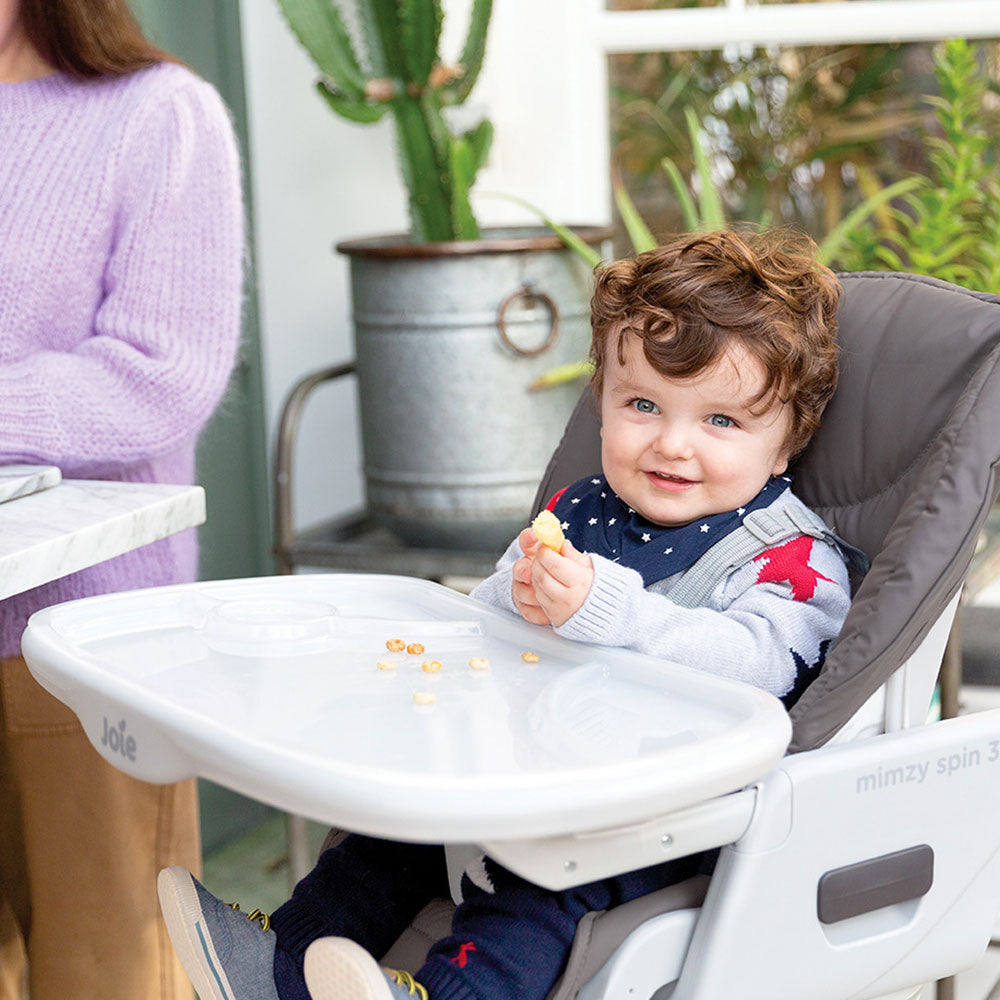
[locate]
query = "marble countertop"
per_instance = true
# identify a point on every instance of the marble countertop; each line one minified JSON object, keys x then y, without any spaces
{"x":80,"y":522}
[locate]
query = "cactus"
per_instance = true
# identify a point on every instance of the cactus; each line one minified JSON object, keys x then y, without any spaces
{"x":404,"y":75}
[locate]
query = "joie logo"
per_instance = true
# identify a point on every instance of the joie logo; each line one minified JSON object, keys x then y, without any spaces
{"x":114,"y":737}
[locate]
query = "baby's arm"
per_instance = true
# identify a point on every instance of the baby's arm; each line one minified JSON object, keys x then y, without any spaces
{"x":496,"y":589}
{"x":525,"y":598}
{"x":761,"y":633}
{"x":560,"y":581}
{"x":509,"y":586}
{"x":543,"y":586}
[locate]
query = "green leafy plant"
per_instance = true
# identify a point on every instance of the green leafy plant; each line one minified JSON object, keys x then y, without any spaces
{"x":946,"y":225}
{"x":949,"y":226}
{"x":772,"y":116}
{"x":404,"y":75}
{"x":703,"y":211}
{"x":707,"y":212}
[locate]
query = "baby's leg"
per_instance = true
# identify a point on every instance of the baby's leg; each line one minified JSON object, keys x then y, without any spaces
{"x":511,"y":938}
{"x":364,"y":889}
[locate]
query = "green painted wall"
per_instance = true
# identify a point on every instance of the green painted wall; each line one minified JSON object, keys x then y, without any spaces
{"x":232,"y":453}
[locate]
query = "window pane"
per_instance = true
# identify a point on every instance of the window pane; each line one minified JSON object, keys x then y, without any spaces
{"x":798,"y":135}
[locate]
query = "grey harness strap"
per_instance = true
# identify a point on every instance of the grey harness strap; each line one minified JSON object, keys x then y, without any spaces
{"x":760,"y":530}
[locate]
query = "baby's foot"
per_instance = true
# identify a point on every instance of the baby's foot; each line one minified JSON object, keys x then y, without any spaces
{"x":228,"y":955}
{"x":339,"y":969}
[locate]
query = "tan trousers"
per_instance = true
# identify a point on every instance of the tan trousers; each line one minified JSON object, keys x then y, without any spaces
{"x":80,"y":847}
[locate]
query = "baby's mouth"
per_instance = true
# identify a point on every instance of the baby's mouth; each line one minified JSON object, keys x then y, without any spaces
{"x":669,"y":480}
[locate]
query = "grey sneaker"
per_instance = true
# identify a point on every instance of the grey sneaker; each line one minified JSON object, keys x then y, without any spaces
{"x":227,"y":955}
{"x":339,"y":969}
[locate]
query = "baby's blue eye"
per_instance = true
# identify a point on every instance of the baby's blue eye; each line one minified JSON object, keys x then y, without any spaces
{"x":644,"y":405}
{"x":720,"y":420}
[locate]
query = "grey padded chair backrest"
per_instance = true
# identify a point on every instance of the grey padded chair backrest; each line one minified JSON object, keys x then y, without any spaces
{"x":904,"y":466}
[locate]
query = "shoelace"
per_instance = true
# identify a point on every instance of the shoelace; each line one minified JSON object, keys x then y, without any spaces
{"x":405,"y":979}
{"x":259,"y":915}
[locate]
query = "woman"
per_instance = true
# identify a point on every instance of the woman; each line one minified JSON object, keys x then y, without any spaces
{"x":121,"y":243}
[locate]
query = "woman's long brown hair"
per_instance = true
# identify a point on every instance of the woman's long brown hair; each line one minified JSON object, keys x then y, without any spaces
{"x":87,"y":38}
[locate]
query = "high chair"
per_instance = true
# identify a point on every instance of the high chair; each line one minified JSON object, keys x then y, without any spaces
{"x":863,"y":863}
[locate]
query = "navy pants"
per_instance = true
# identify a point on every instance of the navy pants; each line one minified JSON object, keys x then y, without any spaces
{"x":508,"y":944}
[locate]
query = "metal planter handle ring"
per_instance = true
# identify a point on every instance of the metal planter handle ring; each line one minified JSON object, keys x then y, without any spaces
{"x":532,"y":295}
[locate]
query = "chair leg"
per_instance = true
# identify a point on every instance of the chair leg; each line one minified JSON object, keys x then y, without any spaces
{"x":946,"y":989}
{"x":299,"y":860}
{"x":950,"y":678}
{"x":994,"y":993}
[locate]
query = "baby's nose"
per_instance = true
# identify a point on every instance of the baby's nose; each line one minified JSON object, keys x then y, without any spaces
{"x":674,"y":441}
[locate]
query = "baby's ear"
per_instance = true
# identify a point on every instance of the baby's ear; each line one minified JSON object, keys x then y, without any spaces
{"x":781,"y":462}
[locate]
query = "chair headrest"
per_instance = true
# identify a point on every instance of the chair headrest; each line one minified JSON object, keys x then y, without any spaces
{"x":903,"y":466}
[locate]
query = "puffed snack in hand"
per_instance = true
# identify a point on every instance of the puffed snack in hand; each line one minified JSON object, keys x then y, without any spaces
{"x":549,"y":531}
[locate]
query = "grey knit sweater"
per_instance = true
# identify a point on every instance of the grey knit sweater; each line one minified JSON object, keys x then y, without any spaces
{"x":768,"y":622}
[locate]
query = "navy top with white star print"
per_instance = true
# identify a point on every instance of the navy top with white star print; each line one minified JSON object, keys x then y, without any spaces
{"x":596,"y":520}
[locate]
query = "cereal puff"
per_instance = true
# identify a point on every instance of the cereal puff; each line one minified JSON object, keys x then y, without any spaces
{"x":549,"y":531}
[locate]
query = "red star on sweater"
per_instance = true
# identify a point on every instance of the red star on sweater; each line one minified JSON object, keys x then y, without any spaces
{"x":790,"y":562}
{"x":462,"y":958}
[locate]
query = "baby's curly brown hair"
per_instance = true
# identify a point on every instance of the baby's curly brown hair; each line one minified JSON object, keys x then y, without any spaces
{"x":698,"y":294}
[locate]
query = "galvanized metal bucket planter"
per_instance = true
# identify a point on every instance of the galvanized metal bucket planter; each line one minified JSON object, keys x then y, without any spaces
{"x":448,"y":339}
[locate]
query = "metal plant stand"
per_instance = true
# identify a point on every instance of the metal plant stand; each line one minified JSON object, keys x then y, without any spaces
{"x":352,"y":543}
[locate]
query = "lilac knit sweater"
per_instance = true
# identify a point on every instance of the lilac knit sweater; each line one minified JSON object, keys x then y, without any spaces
{"x":121,"y":250}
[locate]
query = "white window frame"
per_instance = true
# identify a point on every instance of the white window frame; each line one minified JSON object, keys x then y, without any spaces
{"x":815,"y":23}
{"x":546,"y":82}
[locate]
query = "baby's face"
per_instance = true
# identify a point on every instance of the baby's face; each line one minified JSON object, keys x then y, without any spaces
{"x":675,"y":450}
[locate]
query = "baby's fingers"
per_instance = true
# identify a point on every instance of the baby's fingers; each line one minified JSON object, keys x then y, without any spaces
{"x":567,"y":568}
{"x":570,"y":551}
{"x":526,"y":602}
{"x":528,"y":541}
{"x":561,"y":583}
{"x":521,"y":570}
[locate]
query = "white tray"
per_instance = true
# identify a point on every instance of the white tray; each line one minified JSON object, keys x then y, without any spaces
{"x":271,"y":686}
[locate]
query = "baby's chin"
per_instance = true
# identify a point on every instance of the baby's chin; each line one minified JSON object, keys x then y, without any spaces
{"x":661,"y":520}
{"x":653,"y":508}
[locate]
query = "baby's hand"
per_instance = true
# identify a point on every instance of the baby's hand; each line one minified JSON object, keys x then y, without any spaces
{"x":523,"y":591}
{"x":560,"y":581}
